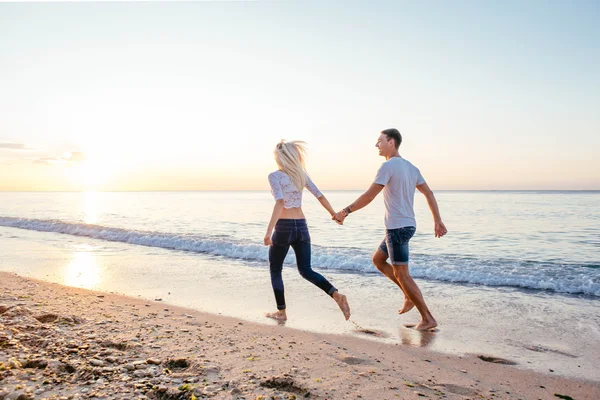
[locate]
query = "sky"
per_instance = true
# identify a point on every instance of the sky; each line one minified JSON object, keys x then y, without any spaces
{"x":195,"y":95}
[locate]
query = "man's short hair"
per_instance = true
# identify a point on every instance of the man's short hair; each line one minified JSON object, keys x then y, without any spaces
{"x":393,"y":133}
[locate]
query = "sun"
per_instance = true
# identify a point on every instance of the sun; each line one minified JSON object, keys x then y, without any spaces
{"x":88,"y":174}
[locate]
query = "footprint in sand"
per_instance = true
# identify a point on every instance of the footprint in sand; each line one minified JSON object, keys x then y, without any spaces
{"x":542,"y":349}
{"x":457,"y":389}
{"x":371,"y":332}
{"x":350,"y":360}
{"x":496,"y":360}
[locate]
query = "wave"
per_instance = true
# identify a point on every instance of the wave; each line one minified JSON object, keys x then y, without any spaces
{"x":558,"y":277}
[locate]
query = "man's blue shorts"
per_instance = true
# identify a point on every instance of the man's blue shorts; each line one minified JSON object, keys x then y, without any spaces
{"x":395,"y":244}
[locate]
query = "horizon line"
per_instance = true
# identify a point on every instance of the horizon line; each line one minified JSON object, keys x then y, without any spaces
{"x":267,"y":190}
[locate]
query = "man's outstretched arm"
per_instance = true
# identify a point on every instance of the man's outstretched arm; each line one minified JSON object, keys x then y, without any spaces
{"x":362,"y":201}
{"x":439,"y":227}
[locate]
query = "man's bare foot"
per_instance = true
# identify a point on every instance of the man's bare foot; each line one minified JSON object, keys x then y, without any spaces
{"x":342,"y":302}
{"x":278,"y":316}
{"x":407,"y":306}
{"x":423,"y":325}
{"x":426,"y":325}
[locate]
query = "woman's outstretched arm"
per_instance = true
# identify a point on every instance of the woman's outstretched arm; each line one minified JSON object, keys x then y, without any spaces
{"x":325,"y":203}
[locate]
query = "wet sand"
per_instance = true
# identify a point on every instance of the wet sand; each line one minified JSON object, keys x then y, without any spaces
{"x":65,"y":342}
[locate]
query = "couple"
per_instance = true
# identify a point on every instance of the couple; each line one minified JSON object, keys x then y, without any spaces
{"x":398,"y":179}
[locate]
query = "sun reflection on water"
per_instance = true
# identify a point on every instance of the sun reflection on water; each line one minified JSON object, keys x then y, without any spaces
{"x":83,"y":270}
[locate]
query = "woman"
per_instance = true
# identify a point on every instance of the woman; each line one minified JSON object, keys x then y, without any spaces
{"x":290,"y":225}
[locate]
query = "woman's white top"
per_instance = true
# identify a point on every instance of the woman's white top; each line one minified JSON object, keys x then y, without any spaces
{"x":282,"y":187}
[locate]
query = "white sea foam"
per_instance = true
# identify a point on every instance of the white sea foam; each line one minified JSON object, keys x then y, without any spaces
{"x":565,"y":278}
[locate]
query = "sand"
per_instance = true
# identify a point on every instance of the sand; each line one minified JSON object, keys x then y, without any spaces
{"x":69,"y":343}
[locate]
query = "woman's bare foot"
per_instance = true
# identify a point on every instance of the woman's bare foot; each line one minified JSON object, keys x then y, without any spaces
{"x":342,"y":303}
{"x":278,"y":316}
{"x":423,"y":325}
{"x":407,"y":306}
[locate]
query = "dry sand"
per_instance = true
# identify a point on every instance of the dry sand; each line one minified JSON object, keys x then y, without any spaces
{"x":69,"y":343}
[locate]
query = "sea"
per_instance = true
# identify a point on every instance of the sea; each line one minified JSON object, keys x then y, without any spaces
{"x":517,"y":276}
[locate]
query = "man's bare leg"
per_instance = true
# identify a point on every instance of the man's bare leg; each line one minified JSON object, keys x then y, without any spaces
{"x":380,"y":261}
{"x":414,"y":294}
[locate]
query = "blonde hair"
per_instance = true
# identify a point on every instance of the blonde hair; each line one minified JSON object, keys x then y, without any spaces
{"x":290,"y":156}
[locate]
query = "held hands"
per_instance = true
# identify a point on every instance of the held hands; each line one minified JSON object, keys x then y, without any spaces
{"x":339,"y":217}
{"x":439,"y":229}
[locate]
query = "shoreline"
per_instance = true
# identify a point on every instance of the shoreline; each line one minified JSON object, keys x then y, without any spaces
{"x":76,"y":343}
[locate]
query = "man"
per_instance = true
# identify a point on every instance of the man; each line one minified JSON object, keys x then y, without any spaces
{"x":398,"y":179}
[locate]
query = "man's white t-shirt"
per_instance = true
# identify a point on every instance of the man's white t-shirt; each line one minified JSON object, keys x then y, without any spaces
{"x":400,"y":179}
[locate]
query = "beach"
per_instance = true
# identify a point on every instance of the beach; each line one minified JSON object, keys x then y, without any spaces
{"x":516,"y":285}
{"x":150,"y":150}
{"x":160,"y":295}
{"x":66,"y":342}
